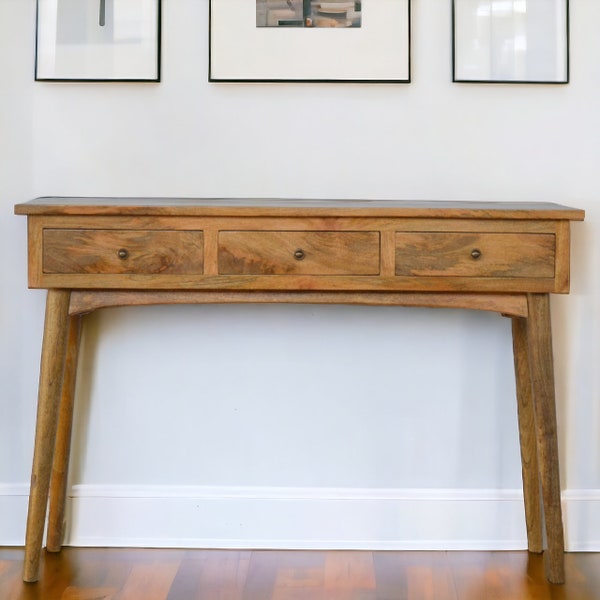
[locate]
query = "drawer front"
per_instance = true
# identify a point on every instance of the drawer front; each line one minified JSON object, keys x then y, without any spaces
{"x":440,"y":254}
{"x":299,"y":252}
{"x":108,"y":251}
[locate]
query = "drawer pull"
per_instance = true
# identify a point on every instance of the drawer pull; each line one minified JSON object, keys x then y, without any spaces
{"x":475,"y":253}
{"x":299,"y":254}
{"x":123,"y":253}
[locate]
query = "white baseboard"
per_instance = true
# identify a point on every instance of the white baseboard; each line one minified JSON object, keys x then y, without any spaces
{"x":13,"y":513}
{"x":296,"y":518}
{"x":581,"y":516}
{"x":301,"y":518}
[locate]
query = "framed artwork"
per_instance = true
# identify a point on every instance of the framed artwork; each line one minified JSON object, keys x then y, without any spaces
{"x":510,"y":41}
{"x":309,"y":40}
{"x":98,"y":40}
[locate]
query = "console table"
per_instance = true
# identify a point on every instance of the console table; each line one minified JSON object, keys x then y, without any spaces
{"x":91,"y":253}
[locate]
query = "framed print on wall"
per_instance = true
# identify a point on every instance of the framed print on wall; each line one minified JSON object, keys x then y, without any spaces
{"x":309,"y":40}
{"x":98,"y":40}
{"x":510,"y":41}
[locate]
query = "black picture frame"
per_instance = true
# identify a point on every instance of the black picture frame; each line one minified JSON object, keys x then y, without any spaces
{"x":379,"y":51}
{"x":98,"y":41}
{"x":526,"y":41}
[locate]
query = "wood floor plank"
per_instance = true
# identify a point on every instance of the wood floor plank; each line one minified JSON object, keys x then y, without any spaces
{"x":262,"y":574}
{"x":215,"y":574}
{"x":349,"y":570}
{"x":141,"y":574}
{"x":10,"y":579}
{"x":588,"y":565}
{"x":301,"y":576}
{"x":149,"y":581}
{"x":350,"y":575}
{"x":420,"y":583}
{"x":77,"y":593}
{"x":413,"y":575}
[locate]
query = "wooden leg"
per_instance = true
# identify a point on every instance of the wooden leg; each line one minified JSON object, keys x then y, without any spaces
{"x":539,"y":338}
{"x":62,"y":450}
{"x":51,"y":373}
{"x":527,"y":437}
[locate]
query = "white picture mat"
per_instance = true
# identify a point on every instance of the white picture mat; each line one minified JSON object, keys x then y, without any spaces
{"x":378,"y":50}
{"x":126,"y":48}
{"x":511,"y":40}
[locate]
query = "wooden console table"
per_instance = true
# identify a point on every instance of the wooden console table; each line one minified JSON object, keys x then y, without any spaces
{"x":91,"y":253}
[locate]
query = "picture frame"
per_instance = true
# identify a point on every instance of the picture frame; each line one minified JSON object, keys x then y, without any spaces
{"x":510,"y":41}
{"x":98,"y":40}
{"x":371,"y":46}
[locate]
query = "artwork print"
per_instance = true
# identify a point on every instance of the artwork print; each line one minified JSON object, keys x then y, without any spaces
{"x":511,"y":41}
{"x":98,"y":40}
{"x":310,"y":40}
{"x":308,"y":13}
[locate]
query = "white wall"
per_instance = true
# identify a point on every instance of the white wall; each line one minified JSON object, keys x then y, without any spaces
{"x":300,"y":425}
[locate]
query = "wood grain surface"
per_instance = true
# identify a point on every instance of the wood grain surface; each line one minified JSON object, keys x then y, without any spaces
{"x":298,"y":253}
{"x":351,"y":253}
{"x":141,"y":574}
{"x":106,"y":251}
{"x":57,"y":205}
{"x":475,"y":254}
{"x":100,"y":252}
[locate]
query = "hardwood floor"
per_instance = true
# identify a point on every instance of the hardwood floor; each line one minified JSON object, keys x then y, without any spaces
{"x":140,"y":574}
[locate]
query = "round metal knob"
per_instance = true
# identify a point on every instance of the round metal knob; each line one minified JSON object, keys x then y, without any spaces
{"x":299,"y":254}
{"x":123,"y":253}
{"x":475,"y":253}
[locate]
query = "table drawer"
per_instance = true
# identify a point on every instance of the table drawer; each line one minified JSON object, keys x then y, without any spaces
{"x":466,"y":254}
{"x":299,"y":252}
{"x":107,"y":251}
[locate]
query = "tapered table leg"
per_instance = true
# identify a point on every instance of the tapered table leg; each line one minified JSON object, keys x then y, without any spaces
{"x":527,"y":437}
{"x":51,"y":373}
{"x":62,"y":450}
{"x":539,"y":337}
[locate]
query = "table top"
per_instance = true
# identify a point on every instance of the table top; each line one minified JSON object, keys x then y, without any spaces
{"x":64,"y":206}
